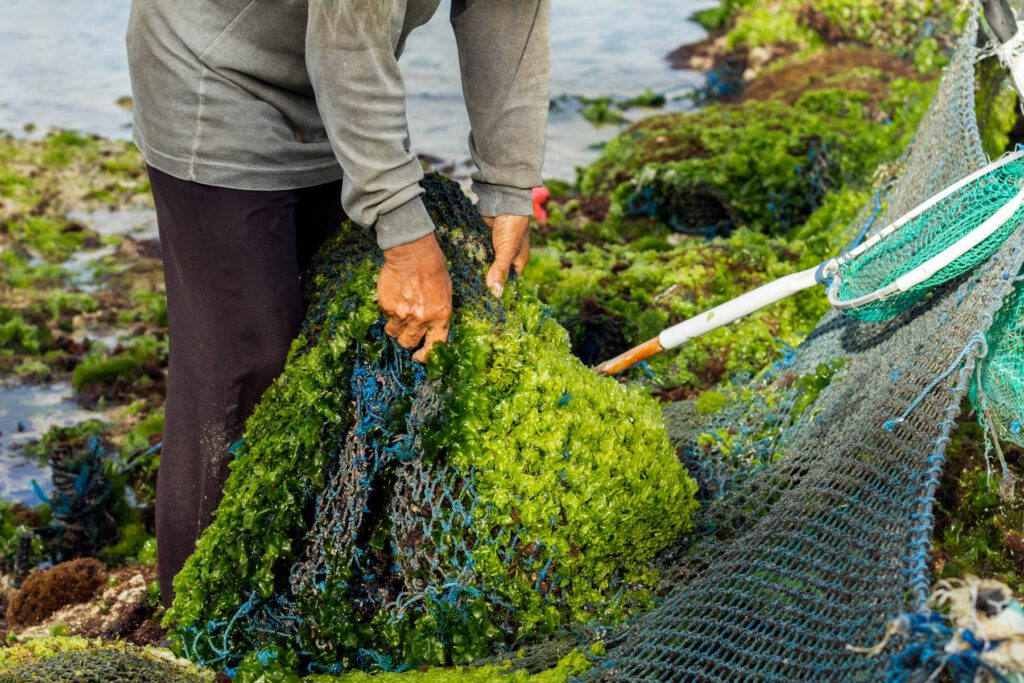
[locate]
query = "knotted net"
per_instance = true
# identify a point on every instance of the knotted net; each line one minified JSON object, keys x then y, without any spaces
{"x":821,"y":532}
{"x":384,"y":515}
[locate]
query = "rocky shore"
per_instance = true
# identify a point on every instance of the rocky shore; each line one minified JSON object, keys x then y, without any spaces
{"x":806,"y":111}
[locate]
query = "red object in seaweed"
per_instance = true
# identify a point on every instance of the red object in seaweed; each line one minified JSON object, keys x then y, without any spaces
{"x":541,"y":195}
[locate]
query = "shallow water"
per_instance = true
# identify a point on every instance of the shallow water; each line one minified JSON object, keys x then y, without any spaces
{"x":27,"y":412}
{"x":140,"y":223}
{"x":62,"y":64}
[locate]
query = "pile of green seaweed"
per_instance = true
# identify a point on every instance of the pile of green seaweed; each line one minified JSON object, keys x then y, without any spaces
{"x":383,"y":515}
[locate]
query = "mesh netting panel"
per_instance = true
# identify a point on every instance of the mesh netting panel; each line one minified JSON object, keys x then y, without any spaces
{"x":820,"y":531}
{"x":928,"y":235}
{"x":1002,"y":374}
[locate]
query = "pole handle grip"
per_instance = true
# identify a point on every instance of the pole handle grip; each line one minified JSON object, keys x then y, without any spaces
{"x":626,"y":360}
{"x":1000,"y":17}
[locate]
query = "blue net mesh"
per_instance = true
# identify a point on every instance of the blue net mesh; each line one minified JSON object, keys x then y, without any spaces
{"x":818,"y":533}
{"x":383,"y":515}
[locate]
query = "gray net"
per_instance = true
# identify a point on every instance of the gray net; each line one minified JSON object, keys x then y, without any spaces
{"x":818,"y":531}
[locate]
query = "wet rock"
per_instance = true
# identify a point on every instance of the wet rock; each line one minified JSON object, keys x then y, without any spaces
{"x":598,"y":334}
{"x":862,"y":69}
{"x":595,"y":207}
{"x":133,"y":248}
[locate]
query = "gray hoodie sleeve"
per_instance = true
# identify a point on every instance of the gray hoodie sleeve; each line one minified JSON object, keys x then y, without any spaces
{"x":504,"y":55}
{"x":351,"y":49}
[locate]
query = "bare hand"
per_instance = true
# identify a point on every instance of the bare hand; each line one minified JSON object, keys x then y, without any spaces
{"x":511,"y":238}
{"x":414,"y":292}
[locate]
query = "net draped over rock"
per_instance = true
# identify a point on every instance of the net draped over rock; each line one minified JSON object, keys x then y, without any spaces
{"x":103,"y":666}
{"x":819,"y":479}
{"x":820,"y":531}
{"x":381,"y":514}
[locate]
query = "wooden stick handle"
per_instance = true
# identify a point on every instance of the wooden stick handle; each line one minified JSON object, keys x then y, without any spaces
{"x":630,"y":358}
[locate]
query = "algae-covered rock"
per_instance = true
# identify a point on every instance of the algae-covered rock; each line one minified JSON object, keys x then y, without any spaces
{"x":979,"y":516}
{"x":778,"y":181}
{"x":78,"y":660}
{"x":380,"y":513}
{"x":45,"y":592}
{"x":763,"y":164}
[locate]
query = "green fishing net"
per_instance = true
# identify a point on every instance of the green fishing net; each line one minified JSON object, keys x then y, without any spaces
{"x":1001,"y":382}
{"x":928,"y":235}
{"x":384,"y":515}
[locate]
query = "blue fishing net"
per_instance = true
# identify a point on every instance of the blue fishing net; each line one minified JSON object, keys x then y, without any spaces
{"x":384,"y":515}
{"x":819,"y":529}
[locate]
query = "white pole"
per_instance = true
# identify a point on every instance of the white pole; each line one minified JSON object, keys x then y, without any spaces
{"x":740,"y":307}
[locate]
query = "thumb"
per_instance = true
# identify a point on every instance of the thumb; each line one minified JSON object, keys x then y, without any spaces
{"x":498,"y":273}
{"x":507,"y":236}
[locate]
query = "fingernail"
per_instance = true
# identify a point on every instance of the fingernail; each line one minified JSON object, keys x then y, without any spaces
{"x":497,"y":290}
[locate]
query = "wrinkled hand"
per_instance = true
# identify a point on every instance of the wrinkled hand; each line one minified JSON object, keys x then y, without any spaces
{"x":511,"y":238}
{"x":414,"y":292}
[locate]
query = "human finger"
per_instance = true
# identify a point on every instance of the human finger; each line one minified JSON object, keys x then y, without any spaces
{"x":394,"y":326}
{"x":436,"y":334}
{"x":522,"y":257}
{"x":412,"y":334}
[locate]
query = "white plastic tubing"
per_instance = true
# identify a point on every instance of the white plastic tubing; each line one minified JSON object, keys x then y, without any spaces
{"x":740,"y":307}
{"x":941,"y":260}
{"x":785,"y":287}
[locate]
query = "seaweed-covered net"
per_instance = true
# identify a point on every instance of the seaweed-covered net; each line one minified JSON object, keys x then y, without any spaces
{"x":820,"y":531}
{"x":103,"y":665}
{"x":381,"y":515}
{"x":927,"y":235}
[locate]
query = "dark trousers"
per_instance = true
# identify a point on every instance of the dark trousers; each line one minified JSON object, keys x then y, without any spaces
{"x":232,"y":260}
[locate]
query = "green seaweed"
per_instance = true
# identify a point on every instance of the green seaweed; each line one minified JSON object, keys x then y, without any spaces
{"x":611,"y":297}
{"x":67,"y":659}
{"x":569,"y":667}
{"x":978,"y":522}
{"x":520,"y":413}
{"x":135,"y":369}
{"x":897,"y":26}
{"x":54,"y":239}
{"x":96,"y":370}
{"x":764,"y":165}
{"x":17,"y":335}
{"x":760,"y":26}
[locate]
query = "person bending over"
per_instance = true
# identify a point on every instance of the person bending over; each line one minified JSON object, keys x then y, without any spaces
{"x":264,"y":122}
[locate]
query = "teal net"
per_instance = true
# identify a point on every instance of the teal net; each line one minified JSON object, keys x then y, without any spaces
{"x":928,"y":235}
{"x":999,"y":396}
{"x":383,"y":516}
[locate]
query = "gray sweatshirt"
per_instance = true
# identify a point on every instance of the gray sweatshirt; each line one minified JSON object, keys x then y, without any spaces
{"x":280,"y":94}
